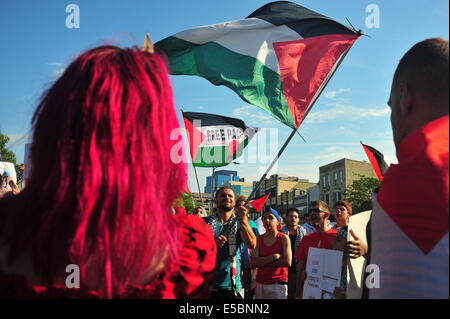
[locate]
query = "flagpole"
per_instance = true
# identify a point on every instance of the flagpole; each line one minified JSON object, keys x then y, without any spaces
{"x":198,"y":185}
{"x":195,"y":171}
{"x":212,"y":189}
{"x":324,"y":84}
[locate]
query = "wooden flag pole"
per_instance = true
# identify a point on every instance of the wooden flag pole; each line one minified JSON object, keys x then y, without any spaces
{"x":322,"y":87}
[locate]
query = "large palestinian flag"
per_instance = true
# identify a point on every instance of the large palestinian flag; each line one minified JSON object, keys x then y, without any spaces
{"x":216,"y":140}
{"x":279,"y":58}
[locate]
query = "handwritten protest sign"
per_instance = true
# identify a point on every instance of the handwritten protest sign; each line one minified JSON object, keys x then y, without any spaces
{"x":323,"y":268}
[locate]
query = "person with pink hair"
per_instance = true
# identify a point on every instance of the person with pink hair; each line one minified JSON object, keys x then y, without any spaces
{"x":101,"y":189}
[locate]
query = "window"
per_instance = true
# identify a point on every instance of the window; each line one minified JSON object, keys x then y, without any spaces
{"x":335,"y":178}
{"x":341,"y":177}
{"x":328,"y":179}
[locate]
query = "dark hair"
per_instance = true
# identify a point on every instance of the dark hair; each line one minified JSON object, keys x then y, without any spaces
{"x":292,"y":209}
{"x":425,"y":68}
{"x":221,"y":190}
{"x":241,"y":198}
{"x":345,"y":204}
{"x":321,"y":204}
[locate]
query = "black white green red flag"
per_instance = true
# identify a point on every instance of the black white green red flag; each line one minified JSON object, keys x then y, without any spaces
{"x":278,"y":58}
{"x":258,"y":203}
{"x":216,"y":140}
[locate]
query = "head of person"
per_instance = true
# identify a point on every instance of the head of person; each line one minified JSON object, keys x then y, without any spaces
{"x":271,"y":219}
{"x":292,"y":217}
{"x":199,"y":211}
{"x":419,"y":91}
{"x":342,"y":213}
{"x":102,"y":180}
{"x":224,"y":199}
{"x":306,"y":217}
{"x":319,"y":213}
{"x":240,"y":201}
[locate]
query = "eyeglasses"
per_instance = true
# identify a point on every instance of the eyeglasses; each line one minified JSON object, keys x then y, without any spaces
{"x":316,"y":210}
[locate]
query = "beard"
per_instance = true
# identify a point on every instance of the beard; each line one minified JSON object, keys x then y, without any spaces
{"x":225,"y":208}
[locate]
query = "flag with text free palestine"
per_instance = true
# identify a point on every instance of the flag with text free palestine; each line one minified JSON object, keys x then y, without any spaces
{"x":278,"y":58}
{"x":216,"y":140}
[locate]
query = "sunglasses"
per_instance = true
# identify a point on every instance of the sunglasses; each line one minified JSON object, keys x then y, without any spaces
{"x":317,"y":210}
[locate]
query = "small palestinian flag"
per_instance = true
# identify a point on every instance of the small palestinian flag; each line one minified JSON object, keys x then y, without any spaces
{"x":279,"y":58}
{"x":377,"y":160}
{"x":258,"y":203}
{"x":216,"y":140}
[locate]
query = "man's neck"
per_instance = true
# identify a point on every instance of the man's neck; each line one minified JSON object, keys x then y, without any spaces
{"x":224,"y":216}
{"x":323,"y":228}
{"x":292,"y":228}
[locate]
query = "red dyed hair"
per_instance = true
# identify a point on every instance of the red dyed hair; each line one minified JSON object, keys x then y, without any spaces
{"x":102,"y":181}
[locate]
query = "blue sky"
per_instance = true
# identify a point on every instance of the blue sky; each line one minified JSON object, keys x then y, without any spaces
{"x":36,"y":46}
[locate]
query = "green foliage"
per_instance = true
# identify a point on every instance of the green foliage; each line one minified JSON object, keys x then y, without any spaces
{"x":8,"y":156}
{"x":187,"y":202}
{"x":359,"y":193}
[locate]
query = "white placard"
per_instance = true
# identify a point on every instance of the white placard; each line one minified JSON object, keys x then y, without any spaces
{"x":356,"y":267}
{"x":323,"y":268}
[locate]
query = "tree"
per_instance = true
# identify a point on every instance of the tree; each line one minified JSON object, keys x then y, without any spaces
{"x":359,"y":193}
{"x":187,"y":202}
{"x":8,"y":156}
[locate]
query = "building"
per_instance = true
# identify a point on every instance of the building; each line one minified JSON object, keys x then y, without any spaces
{"x":337,"y":176}
{"x":283,"y":190}
{"x":220,"y":178}
{"x":240,"y":188}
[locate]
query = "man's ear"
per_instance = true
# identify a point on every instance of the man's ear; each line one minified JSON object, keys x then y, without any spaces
{"x":406,"y":99}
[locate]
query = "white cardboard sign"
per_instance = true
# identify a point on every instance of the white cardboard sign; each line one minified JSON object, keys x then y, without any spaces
{"x":323,"y":268}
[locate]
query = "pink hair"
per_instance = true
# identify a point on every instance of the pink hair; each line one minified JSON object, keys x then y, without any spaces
{"x":103,"y":181}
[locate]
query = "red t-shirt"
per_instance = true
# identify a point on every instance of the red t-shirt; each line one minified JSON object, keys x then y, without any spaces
{"x":267,"y":275}
{"x":316,"y":240}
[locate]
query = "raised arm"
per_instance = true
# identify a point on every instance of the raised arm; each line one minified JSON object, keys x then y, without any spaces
{"x":246,"y":232}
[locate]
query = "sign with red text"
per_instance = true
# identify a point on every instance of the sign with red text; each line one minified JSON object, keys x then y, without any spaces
{"x":323,"y":269}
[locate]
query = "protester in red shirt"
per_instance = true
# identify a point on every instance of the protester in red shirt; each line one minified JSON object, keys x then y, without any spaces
{"x":323,"y":237}
{"x":272,"y":256}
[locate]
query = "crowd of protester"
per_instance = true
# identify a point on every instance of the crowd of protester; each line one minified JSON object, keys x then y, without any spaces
{"x":127,"y":240}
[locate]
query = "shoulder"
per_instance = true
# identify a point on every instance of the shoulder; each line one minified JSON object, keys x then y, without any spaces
{"x":195,"y":232}
{"x":191,"y":274}
{"x":284,"y":238}
{"x":207,"y":219}
{"x":310,"y":236}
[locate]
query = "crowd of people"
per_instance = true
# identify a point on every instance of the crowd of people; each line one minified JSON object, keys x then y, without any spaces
{"x":122,"y":232}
